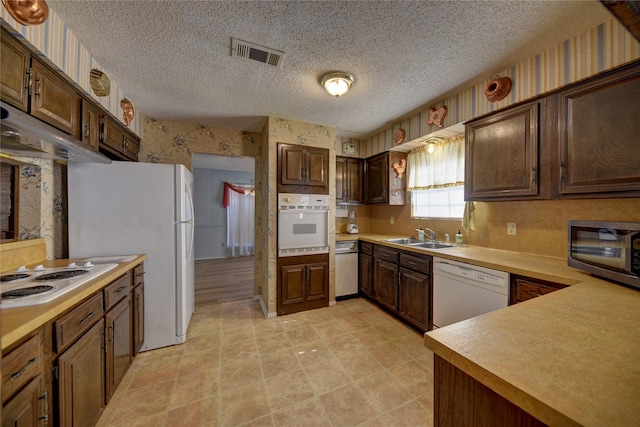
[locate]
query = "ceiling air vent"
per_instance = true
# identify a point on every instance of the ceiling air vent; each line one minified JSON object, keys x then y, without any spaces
{"x":265,"y":55}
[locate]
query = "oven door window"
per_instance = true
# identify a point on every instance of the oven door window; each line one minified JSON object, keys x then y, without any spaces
{"x":302,"y":229}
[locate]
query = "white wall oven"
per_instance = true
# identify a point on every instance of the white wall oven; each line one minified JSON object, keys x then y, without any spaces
{"x":303,"y":224}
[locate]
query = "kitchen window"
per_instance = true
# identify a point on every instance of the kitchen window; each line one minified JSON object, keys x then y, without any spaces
{"x":436,"y":179}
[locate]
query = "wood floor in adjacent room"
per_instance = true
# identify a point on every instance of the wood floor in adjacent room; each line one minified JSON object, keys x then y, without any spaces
{"x":224,"y":279}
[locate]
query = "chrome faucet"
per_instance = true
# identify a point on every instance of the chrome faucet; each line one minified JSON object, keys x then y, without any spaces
{"x":433,"y":234}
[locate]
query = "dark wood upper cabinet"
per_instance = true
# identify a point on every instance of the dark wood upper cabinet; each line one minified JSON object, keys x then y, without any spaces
{"x":349,"y":181}
{"x":383,"y":184}
{"x":53,"y":100}
{"x":36,"y":87}
{"x":599,"y":136}
{"x":90,"y":124}
{"x":502,"y":154}
{"x":14,"y":74}
{"x":580,"y":141}
{"x":117,"y":142}
{"x":303,"y":169}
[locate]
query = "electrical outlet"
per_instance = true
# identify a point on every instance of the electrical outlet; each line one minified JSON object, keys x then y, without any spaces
{"x":392,"y":220}
{"x":222,"y":244}
{"x":511,"y":228}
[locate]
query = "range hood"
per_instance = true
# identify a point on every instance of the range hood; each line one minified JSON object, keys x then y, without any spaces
{"x":25,"y":136}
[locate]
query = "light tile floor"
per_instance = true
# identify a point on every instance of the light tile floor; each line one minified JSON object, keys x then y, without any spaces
{"x":347,"y":365}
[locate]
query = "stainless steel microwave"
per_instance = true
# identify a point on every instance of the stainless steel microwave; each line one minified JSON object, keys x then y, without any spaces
{"x":607,"y":249}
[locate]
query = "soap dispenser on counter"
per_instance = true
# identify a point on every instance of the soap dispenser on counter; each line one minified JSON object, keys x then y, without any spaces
{"x":420,"y":234}
{"x":459,"y":238}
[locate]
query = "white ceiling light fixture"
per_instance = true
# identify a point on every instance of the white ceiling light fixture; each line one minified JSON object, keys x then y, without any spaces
{"x":337,"y":83}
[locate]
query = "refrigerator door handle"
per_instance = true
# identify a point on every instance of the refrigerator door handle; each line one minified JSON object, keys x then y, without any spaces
{"x":191,"y":221}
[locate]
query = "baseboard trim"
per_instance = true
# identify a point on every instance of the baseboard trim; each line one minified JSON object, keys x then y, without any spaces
{"x":268,"y":315}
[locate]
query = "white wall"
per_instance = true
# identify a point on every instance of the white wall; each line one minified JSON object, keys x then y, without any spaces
{"x":210,"y":215}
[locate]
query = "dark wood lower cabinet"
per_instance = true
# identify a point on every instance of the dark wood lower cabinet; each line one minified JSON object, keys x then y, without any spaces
{"x":81,"y":387}
{"x":119,"y":342}
{"x":138,"y":318}
{"x":459,"y":400}
{"x":414,"y":298}
{"x":525,"y":288}
{"x":399,"y":281}
{"x":365,"y":274}
{"x":303,"y":283}
{"x":28,"y":407}
{"x":385,"y":288}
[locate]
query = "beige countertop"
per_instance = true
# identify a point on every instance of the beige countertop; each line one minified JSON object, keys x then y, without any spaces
{"x":20,"y":321}
{"x":568,"y":358}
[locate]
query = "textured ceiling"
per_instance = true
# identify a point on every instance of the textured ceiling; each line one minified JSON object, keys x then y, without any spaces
{"x":172,"y":58}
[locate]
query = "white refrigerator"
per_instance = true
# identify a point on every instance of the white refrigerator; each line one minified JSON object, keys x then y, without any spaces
{"x":128,"y":208}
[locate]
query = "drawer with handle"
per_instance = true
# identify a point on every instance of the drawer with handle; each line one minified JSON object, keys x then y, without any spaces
{"x":116,"y":291}
{"x":138,"y":275}
{"x":419,"y":264}
{"x":386,"y":254}
{"x":21,"y":365}
{"x":366,"y":248}
{"x":528,"y":288}
{"x":77,"y":321}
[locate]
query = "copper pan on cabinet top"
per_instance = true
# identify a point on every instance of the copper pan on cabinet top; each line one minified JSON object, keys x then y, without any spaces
{"x":27,"y":12}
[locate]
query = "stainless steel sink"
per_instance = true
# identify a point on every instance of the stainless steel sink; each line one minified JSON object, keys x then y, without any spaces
{"x":433,"y":245}
{"x":405,"y":241}
{"x":412,"y":241}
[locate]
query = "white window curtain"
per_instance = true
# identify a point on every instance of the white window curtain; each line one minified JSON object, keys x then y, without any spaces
{"x":239,"y":201}
{"x":443,"y":168}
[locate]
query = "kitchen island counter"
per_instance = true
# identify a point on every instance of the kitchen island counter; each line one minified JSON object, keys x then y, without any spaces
{"x":568,"y":358}
{"x":20,"y":321}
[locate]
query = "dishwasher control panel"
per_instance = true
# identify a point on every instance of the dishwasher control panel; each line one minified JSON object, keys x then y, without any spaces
{"x":472,"y":272}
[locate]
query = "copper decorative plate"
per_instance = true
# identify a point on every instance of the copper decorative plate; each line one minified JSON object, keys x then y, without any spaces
{"x":27,"y":12}
{"x":100,"y":83}
{"x":399,"y":136}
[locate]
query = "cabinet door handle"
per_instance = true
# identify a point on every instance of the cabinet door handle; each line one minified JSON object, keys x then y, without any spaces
{"x":37,"y":94}
{"x":120,"y":289}
{"x":28,"y":82}
{"x":45,"y":399}
{"x":18,"y":374}
{"x":562,"y":177}
{"x":87,"y":317}
{"x":533,"y":175}
{"x":85,"y":126}
{"x":535,"y":294}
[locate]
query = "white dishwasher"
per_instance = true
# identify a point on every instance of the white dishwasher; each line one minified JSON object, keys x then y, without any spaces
{"x":462,"y":291}
{"x":346,"y":268}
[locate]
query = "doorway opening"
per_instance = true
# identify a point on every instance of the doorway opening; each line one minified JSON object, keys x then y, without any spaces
{"x":224,"y":237}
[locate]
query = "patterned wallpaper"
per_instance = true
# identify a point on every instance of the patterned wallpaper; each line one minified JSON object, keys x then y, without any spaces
{"x":599,"y":49}
{"x":41,"y":210}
